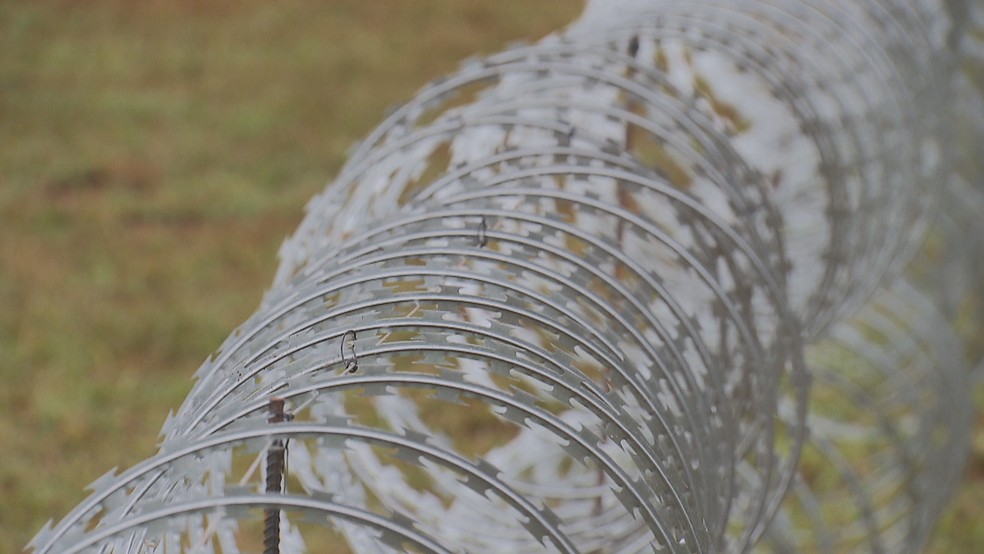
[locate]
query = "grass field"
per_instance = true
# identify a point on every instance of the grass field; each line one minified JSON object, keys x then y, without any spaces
{"x":153,"y":156}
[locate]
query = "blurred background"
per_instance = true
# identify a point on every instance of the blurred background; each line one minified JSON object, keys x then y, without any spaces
{"x":153,"y":156}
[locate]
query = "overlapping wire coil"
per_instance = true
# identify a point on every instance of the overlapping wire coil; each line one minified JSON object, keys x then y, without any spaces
{"x":888,"y":425}
{"x":559,"y":302}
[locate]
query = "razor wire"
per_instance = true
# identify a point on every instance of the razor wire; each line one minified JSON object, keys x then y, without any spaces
{"x":571,"y":297}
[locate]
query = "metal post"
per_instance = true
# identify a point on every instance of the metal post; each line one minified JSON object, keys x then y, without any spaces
{"x":275,"y":461}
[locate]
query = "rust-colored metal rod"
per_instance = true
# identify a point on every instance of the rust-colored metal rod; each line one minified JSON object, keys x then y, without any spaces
{"x":275,"y":461}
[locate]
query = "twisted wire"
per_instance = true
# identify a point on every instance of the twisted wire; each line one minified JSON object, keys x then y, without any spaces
{"x":559,"y":301}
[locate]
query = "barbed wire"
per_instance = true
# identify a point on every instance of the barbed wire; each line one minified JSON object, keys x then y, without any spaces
{"x":560,"y":301}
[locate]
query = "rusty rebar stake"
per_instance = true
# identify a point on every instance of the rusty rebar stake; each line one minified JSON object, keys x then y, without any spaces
{"x":275,"y":462}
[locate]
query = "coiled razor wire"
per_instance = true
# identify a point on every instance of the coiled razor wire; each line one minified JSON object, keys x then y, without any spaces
{"x":888,"y":428}
{"x":560,"y":301}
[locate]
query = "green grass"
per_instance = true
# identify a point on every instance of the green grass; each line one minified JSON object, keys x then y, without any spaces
{"x":153,"y":156}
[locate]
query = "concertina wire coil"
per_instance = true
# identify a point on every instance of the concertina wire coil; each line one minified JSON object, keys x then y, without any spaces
{"x":636,"y":287}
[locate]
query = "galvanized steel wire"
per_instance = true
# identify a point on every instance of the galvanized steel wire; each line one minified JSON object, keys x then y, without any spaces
{"x":560,"y":301}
